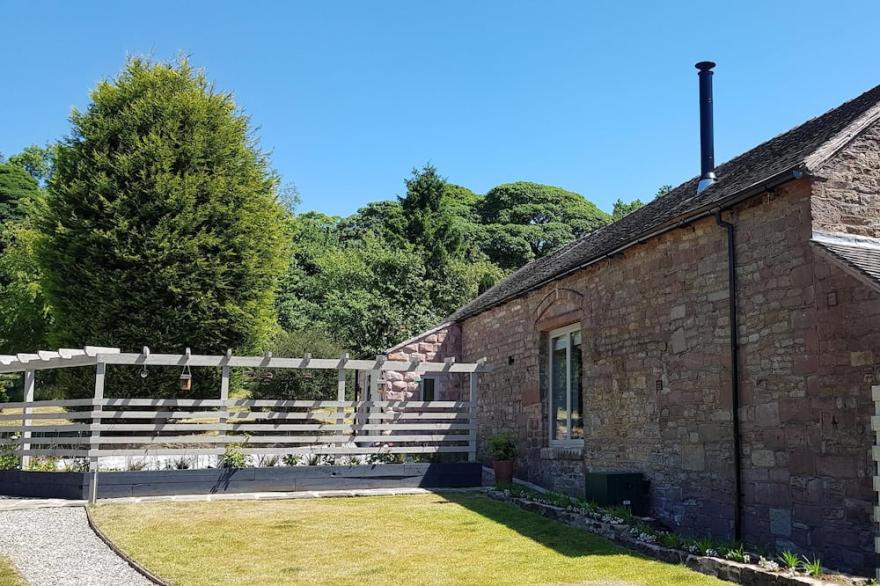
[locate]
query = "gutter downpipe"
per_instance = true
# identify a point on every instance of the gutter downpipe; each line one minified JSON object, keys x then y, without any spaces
{"x":734,"y":373}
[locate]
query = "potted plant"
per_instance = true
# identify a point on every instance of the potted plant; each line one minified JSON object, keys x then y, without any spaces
{"x":503,"y":450}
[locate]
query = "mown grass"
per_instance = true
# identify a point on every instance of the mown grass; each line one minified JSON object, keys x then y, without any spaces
{"x":9,"y":576}
{"x":431,"y":539}
{"x":51,"y":409}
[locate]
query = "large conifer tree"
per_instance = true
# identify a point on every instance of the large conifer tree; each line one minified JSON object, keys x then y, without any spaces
{"x":164,"y":227}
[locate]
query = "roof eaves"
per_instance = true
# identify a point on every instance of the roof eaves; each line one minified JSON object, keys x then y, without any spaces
{"x":789,"y":174}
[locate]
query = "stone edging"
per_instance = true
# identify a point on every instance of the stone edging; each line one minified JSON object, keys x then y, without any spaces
{"x":124,"y":556}
{"x":746,"y":574}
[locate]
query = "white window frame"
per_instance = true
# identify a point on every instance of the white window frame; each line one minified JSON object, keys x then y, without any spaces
{"x":551,"y":420}
{"x":436,"y":387}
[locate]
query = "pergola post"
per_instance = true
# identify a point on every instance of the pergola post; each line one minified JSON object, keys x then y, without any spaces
{"x":224,"y":397}
{"x":372,"y":395}
{"x":29,"y":384}
{"x":340,"y":392}
{"x":472,"y":417}
{"x":97,"y":406}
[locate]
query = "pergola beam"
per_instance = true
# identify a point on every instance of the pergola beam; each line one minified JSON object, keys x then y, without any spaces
{"x":91,"y":355}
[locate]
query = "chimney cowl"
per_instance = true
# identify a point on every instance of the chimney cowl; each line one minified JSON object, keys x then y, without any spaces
{"x":707,"y":130}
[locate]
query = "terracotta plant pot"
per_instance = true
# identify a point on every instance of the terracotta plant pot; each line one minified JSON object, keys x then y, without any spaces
{"x":503,"y":471}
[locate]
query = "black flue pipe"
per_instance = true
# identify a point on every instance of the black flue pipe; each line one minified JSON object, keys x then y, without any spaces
{"x":707,"y":126}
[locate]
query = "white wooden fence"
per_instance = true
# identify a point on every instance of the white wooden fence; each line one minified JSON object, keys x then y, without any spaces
{"x":101,"y":427}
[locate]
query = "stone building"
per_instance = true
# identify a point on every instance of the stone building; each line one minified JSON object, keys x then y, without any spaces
{"x":615,"y":352}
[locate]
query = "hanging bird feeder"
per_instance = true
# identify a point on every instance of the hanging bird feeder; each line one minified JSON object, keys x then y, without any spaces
{"x":186,"y":377}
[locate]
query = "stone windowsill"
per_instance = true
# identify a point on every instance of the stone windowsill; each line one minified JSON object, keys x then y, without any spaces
{"x":562,"y":453}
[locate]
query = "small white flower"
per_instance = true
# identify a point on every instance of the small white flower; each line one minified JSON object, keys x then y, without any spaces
{"x":711,"y":553}
{"x":768,"y":565}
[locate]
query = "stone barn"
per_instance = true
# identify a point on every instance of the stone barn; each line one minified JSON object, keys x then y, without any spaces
{"x":722,"y":341}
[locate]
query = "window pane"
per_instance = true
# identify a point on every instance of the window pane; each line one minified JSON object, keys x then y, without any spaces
{"x":559,"y":388}
{"x":427,"y":389}
{"x":577,"y":397}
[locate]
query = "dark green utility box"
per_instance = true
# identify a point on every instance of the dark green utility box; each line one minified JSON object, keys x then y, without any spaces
{"x":618,"y":488}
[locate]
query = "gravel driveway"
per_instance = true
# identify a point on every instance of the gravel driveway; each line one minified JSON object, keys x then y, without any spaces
{"x":56,"y":547}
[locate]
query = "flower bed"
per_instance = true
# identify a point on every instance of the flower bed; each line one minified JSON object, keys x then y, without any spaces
{"x":732,"y":562}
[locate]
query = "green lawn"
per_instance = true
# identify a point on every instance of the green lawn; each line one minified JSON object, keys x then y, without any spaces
{"x":462,"y":538}
{"x":9,"y":576}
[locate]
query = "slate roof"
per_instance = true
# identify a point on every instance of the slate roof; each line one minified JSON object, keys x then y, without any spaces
{"x":859,"y":256}
{"x":802,"y":149}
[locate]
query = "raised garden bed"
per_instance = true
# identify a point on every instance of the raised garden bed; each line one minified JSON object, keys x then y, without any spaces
{"x":634,"y":535}
{"x":77,"y":485}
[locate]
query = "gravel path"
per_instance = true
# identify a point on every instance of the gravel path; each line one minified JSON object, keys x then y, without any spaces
{"x":56,"y":547}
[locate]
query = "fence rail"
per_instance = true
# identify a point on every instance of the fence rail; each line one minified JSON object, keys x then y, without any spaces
{"x":114,"y":427}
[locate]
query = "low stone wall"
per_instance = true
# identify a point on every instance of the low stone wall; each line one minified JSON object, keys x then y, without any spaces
{"x":620,"y":533}
{"x":77,"y":485}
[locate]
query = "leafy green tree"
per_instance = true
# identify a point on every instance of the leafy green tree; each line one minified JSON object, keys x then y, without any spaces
{"x":164,"y":226}
{"x":37,"y":161}
{"x":25,"y":315}
{"x":292,"y":384}
{"x":528,"y":220}
{"x":364,"y":294}
{"x":662,"y":191}
{"x":429,"y":224}
{"x":383,"y":219}
{"x":15,"y":184}
{"x":621,"y":208}
{"x":298,"y":303}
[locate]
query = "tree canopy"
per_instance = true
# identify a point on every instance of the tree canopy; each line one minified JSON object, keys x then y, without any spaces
{"x":16,"y":184}
{"x":163,"y":224}
{"x":528,"y":220}
{"x":622,"y":208}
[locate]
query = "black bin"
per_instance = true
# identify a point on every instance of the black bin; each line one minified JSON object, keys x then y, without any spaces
{"x":618,"y":488}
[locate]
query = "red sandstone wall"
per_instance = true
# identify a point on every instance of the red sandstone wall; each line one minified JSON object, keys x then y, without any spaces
{"x":656,"y":379}
{"x":432,"y":346}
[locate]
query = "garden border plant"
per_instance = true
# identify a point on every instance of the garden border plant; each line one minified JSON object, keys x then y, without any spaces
{"x":731,"y":561}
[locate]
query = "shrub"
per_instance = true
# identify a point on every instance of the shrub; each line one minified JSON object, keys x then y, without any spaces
{"x":267,"y":461}
{"x":291,"y":459}
{"x":812,"y":567}
{"x":181,"y":463}
{"x":385,"y":458}
{"x":76,"y":465}
{"x":136,"y":465}
{"x":671,"y":540}
{"x":298,"y":383}
{"x":737,"y":554}
{"x":789,"y":560}
{"x":621,"y":512}
{"x":9,"y":460}
{"x":44,"y":464}
{"x":234,"y":457}
{"x":502,"y":447}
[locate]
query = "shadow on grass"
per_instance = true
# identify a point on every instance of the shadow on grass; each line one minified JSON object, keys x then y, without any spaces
{"x":561,"y":538}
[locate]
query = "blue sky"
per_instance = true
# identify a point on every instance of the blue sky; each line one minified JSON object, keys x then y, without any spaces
{"x":596,"y":97}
